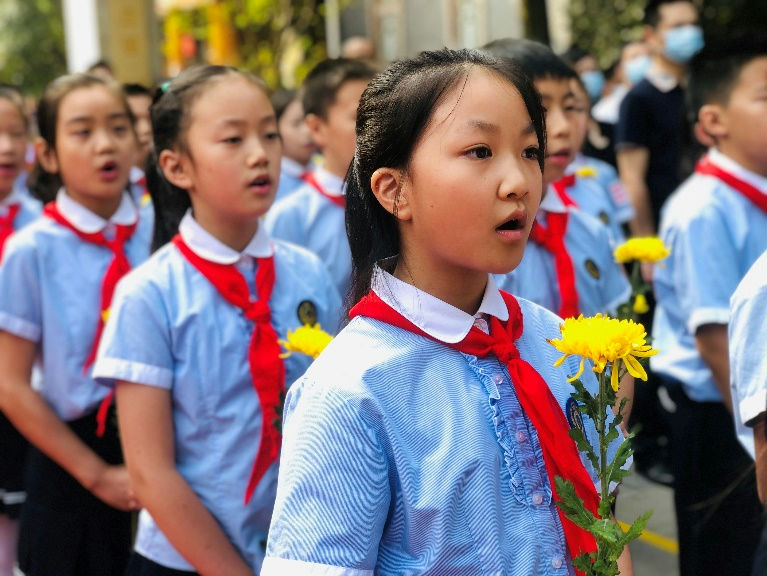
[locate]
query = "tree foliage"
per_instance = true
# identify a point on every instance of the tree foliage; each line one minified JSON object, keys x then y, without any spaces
{"x":32,"y":48}
{"x":602,"y":28}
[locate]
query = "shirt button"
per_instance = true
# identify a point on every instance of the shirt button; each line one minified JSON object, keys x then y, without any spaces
{"x":521,"y":437}
{"x":556,"y":562}
{"x":497,"y":378}
{"x":537,"y":499}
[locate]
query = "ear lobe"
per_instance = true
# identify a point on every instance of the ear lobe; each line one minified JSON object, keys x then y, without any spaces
{"x":174,"y":169}
{"x":712,"y":121}
{"x":386,"y":184}
{"x":46,"y":156}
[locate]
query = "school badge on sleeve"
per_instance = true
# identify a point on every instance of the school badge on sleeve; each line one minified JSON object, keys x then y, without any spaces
{"x":592,"y":268}
{"x":574,"y":417}
{"x":307,"y":313}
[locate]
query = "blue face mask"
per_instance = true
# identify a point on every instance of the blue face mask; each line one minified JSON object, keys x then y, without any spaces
{"x":594,"y":81}
{"x":636,"y":68}
{"x":683,"y":43}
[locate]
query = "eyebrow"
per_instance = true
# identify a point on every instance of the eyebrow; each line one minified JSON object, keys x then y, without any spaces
{"x":483,"y":125}
{"x":242,"y":121}
{"x":115,"y":116}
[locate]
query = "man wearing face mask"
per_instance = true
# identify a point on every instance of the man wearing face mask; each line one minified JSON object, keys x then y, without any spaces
{"x":651,"y":128}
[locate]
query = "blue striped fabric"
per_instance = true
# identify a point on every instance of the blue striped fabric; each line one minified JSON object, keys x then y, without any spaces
{"x":402,"y":456}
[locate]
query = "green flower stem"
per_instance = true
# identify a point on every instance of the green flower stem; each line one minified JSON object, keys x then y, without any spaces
{"x":603,"y":477}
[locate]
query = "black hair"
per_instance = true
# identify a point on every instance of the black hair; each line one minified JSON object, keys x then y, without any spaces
{"x":134,"y":89}
{"x":281,"y":99}
{"x":13,"y":95}
{"x":651,"y":16}
{"x":395,"y":109}
{"x":43,"y":184}
{"x":170,"y":114}
{"x":537,"y":59}
{"x":322,"y":84}
{"x":713,"y":72}
{"x":574,"y":54}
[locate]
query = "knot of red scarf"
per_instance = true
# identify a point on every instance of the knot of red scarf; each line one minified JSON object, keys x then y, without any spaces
{"x":267,"y":369}
{"x":560,"y":453}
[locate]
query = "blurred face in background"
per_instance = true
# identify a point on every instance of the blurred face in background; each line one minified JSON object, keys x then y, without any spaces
{"x":297,"y":143}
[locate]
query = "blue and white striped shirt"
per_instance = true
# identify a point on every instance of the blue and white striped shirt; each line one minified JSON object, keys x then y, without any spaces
{"x":403,"y":456}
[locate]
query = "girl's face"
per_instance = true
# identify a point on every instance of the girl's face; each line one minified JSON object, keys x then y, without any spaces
{"x":469,"y":196}
{"x":95,"y":146}
{"x":233,"y":164}
{"x":297,"y":141}
{"x":13,"y":145}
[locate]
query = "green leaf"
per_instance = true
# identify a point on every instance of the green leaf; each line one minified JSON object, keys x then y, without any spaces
{"x":572,"y":505}
{"x":636,"y":529}
{"x":584,"y":446}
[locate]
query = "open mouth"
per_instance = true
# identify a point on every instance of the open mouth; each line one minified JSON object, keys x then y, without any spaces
{"x":513,"y":224}
{"x":8,"y":168}
{"x":260,"y":184}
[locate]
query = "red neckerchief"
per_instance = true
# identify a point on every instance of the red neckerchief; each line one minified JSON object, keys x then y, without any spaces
{"x":6,"y":225}
{"x":561,"y":186}
{"x":705,"y":166}
{"x":118,"y":267}
{"x":266,"y":367}
{"x":560,"y":453}
{"x":552,"y":238}
{"x":310,"y":179}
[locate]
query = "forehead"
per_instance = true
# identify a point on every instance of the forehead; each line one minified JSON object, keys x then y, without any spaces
{"x":9,"y":110}
{"x":231,"y":96}
{"x":480,"y":97}
{"x":88,"y":102}
{"x":677,"y":14}
{"x":554,"y":89}
{"x":349,"y":93}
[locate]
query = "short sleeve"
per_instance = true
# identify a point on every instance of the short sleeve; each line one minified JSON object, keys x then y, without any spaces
{"x":703,"y":268}
{"x":632,"y":127}
{"x":333,"y":494}
{"x":748,"y":355}
{"x":20,"y":290}
{"x":135,"y":345}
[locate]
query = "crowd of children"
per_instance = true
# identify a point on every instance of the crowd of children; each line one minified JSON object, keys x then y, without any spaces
{"x":439,"y":218}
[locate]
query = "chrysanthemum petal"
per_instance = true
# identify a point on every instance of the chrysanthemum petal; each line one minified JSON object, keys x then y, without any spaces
{"x":578,"y":374}
{"x":635,"y":368}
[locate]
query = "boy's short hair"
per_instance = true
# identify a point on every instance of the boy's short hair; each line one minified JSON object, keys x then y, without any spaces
{"x":651,"y":16}
{"x":325,"y":80}
{"x":536,"y":59}
{"x":714,"y":71}
{"x":133,"y":89}
{"x":281,"y":99}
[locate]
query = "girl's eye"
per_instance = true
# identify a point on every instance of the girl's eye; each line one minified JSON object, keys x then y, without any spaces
{"x":233,"y":140}
{"x":480,"y":152}
{"x":532,"y":153}
{"x":120,"y":129}
{"x":273,"y":136}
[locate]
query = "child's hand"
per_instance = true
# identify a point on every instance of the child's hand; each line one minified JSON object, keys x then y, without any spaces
{"x":113,"y":487}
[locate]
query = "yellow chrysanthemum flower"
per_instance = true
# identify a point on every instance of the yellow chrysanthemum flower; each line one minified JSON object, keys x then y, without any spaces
{"x":640,"y":304}
{"x":586,"y":172}
{"x":604,"y":340}
{"x":648,"y":249}
{"x":309,"y":340}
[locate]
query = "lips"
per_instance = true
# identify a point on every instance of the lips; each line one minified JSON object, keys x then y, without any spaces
{"x":261,"y":184}
{"x":514,"y":226}
{"x":109,"y":171}
{"x":8,"y":169}
{"x":562,"y":157}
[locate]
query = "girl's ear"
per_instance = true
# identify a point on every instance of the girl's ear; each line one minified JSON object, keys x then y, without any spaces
{"x":712,"y":120}
{"x":316,"y":127}
{"x":387,"y":187}
{"x":175,"y":168}
{"x":46,"y":156}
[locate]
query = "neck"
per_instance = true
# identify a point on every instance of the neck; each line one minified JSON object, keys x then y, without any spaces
{"x":103,"y":207}
{"x":462,"y":289}
{"x":335,"y":167}
{"x":664,"y":65}
{"x":236,"y":236}
{"x":744,"y":160}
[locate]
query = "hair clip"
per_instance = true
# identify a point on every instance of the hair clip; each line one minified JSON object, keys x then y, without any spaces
{"x":164,"y":86}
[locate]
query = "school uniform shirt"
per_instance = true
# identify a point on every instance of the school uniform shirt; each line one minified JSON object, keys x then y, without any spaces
{"x":291,"y":173}
{"x":715,"y":234}
{"x":402,"y":456}
{"x":170,"y":328}
{"x":29,"y":208}
{"x":747,"y":331}
{"x":140,"y":195}
{"x":598,"y":191}
{"x":310,"y":219}
{"x":50,"y":294}
{"x":601,"y":284}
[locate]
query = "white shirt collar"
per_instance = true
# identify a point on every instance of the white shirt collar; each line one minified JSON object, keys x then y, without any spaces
{"x":206,"y":246}
{"x":663,"y":81}
{"x":551,"y":202}
{"x":86,"y":221}
{"x":13,"y":198}
{"x":330,"y":183}
{"x":437,"y":318}
{"x":729,"y":165}
{"x":291,"y":167}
